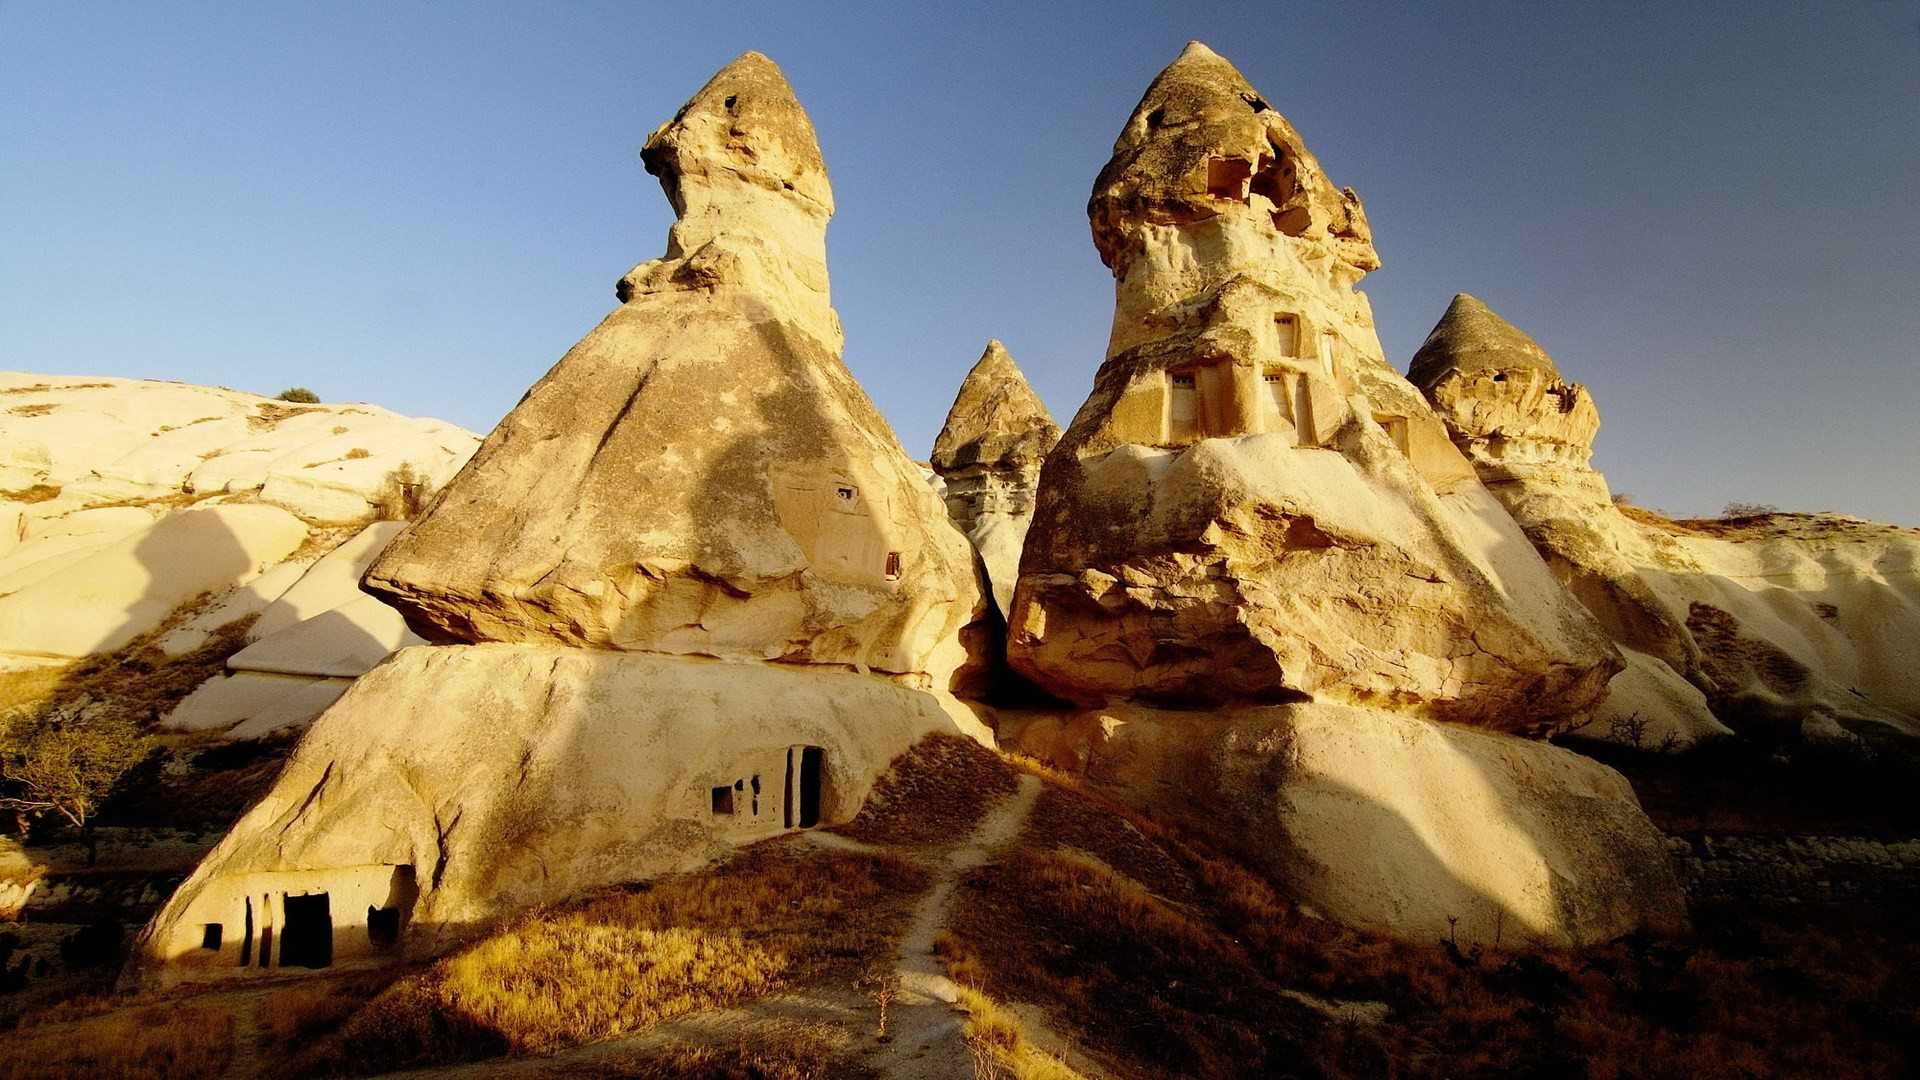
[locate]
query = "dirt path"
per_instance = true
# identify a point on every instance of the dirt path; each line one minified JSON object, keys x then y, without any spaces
{"x":924,"y":1028}
{"x":927,"y":1043}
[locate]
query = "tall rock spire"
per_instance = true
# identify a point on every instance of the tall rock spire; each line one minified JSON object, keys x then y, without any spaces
{"x":989,"y":454}
{"x":1252,"y":504}
{"x":701,"y":474}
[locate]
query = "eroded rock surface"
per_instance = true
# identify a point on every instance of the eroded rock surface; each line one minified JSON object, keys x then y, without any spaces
{"x":988,"y":456}
{"x":1783,"y":621}
{"x":701,"y":475}
{"x":1252,"y":504}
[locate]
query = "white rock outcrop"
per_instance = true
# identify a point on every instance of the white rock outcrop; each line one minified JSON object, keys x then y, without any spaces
{"x":1800,"y":621}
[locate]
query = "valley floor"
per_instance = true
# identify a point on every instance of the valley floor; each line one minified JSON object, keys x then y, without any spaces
{"x":985,"y":918}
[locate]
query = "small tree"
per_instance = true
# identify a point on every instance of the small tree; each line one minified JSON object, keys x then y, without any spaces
{"x":1747,"y":509}
{"x":1621,"y":498}
{"x":299,"y":395}
{"x":67,"y":768}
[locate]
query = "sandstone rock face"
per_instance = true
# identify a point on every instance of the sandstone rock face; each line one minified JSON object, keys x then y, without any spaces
{"x":69,"y":443}
{"x":459,"y":784}
{"x":1392,"y":823}
{"x":988,"y":456}
{"x":124,"y":501}
{"x":1252,"y":504}
{"x":1792,"y":619}
{"x":701,"y":475}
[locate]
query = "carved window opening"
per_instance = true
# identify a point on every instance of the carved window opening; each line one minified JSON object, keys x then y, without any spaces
{"x":1289,"y":327}
{"x":1227,"y":178}
{"x":1396,"y":429}
{"x":210,"y":936}
{"x":1330,"y":354}
{"x":722,"y":801}
{"x":845,"y":496}
{"x":1279,"y":395}
{"x":1183,"y":407}
{"x":893,"y":566}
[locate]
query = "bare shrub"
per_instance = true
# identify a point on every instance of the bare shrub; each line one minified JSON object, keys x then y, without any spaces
{"x":1748,"y":510}
{"x":299,"y":395}
{"x":404,"y":495}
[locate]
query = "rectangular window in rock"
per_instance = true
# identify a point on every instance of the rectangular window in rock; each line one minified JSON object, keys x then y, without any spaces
{"x":893,"y":566}
{"x":1278,"y":400}
{"x":1289,"y":328}
{"x":383,"y":927}
{"x":723,"y":801}
{"x":210,"y":935}
{"x":1329,"y":354}
{"x":1396,"y":429}
{"x":1183,"y":408}
{"x":1227,"y":178}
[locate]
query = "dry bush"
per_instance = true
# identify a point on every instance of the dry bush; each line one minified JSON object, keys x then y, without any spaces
{"x":403,"y":496}
{"x":162,"y":1042}
{"x":791,"y":1051}
{"x":627,"y":958}
{"x":38,"y":493}
{"x":299,"y":395}
{"x":937,"y":792}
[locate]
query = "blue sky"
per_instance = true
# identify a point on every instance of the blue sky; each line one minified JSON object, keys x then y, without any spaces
{"x":1704,"y":210}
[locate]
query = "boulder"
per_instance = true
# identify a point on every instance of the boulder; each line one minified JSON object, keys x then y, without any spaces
{"x":988,"y":457}
{"x":459,"y":784}
{"x":701,"y":475}
{"x":1252,"y":504}
{"x":1420,"y":830}
{"x":346,"y":641}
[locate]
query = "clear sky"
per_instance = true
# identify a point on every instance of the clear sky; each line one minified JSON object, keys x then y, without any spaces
{"x":1706,"y":211}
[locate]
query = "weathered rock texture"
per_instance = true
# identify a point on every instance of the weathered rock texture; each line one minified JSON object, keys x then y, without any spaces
{"x":130,"y":506}
{"x":988,"y":456}
{"x":1391,"y":823}
{"x":1252,"y":504}
{"x":697,"y":489}
{"x":701,"y":475}
{"x":459,"y":784}
{"x":1794,"y":620}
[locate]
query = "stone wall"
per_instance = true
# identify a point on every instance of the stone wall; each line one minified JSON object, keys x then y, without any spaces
{"x":1796,"y":869}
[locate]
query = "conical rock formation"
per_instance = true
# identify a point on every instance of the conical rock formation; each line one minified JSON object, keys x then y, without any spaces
{"x":1257,"y":521}
{"x":1784,"y":625}
{"x":701,"y":474}
{"x":697,"y":488}
{"x":988,"y":455}
{"x":1252,"y":504}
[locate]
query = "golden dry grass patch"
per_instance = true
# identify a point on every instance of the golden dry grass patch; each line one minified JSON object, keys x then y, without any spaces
{"x":180,"y":1041}
{"x":625,"y":959}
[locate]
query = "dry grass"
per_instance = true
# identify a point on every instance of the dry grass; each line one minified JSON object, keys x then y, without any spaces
{"x":624,"y":959}
{"x":294,"y":1017}
{"x":998,"y":1044}
{"x":267,"y":414}
{"x":1189,"y":986}
{"x":788,"y":1051}
{"x":935,"y":793}
{"x":38,"y":388}
{"x":160,"y":1042}
{"x":138,"y":682}
{"x":38,"y":493}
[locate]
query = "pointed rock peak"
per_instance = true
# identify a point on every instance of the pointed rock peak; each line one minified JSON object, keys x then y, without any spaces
{"x":744,"y":124}
{"x":1471,"y":337}
{"x":1203,"y":141}
{"x":996,"y":418}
